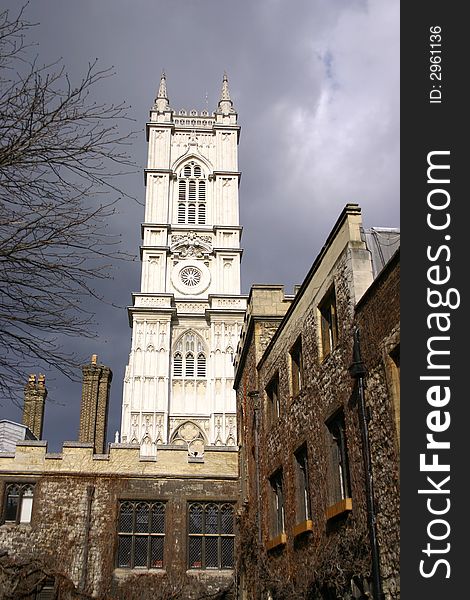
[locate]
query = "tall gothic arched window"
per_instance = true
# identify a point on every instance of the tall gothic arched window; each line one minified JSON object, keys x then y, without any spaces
{"x":189,"y":357}
{"x":191,"y":195}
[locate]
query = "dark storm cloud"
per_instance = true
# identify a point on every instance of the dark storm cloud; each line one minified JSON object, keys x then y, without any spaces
{"x":315,"y":83}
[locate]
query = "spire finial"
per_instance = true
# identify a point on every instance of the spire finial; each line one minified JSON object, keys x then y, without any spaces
{"x":225,"y":92}
{"x":161,"y":101}
{"x":225,"y":103}
{"x":162,"y":93}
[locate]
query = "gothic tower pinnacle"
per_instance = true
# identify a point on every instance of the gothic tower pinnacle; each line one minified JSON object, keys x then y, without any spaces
{"x":225,"y":105}
{"x":161,"y":101}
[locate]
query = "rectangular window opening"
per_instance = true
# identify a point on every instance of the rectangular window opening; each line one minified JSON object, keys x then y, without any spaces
{"x":339,"y":478}
{"x":296,"y":367}
{"x":277,"y":504}
{"x":211,"y":535}
{"x":304,"y":512}
{"x":141,"y":534}
{"x":328,"y":323}
{"x":274,"y":406}
{"x":18,"y":503}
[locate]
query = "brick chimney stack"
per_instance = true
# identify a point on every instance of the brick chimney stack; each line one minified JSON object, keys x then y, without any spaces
{"x":94,"y":406}
{"x":34,"y":400}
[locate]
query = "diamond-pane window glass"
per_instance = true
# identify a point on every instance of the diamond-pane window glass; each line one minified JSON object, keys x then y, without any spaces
{"x":211,"y":552}
{"x":141,"y":534}
{"x":195,"y":552}
{"x":195,"y":519}
{"x":226,"y":518}
{"x":227,"y":551}
{"x":125,"y":551}
{"x":158,"y":519}
{"x":140,"y":551}
{"x":210,"y":536}
{"x":212,"y":518}
{"x":142,"y":518}
{"x":156,"y":552}
{"x":126,"y":517}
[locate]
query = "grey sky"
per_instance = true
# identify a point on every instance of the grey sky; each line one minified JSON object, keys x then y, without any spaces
{"x":316,"y":87}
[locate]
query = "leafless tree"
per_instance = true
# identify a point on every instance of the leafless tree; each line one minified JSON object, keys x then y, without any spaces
{"x":60,"y":154}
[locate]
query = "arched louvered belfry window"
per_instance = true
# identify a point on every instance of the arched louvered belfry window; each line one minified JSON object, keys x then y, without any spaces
{"x":191,"y":195}
{"x":189,"y":370}
{"x":189,"y":357}
{"x":191,"y":213}
{"x":201,"y":365}
{"x":181,"y":212}
{"x":201,"y":214}
{"x":178,"y":364}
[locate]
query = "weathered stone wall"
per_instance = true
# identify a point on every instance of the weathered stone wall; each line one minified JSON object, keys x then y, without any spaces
{"x":57,"y":532}
{"x":322,"y":561}
{"x":378,"y":320}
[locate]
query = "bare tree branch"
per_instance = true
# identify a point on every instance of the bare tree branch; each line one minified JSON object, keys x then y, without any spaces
{"x":61,"y":152}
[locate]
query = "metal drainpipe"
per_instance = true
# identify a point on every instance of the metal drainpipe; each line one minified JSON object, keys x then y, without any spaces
{"x":90,"y":490}
{"x":255,"y":396}
{"x":358,"y":371}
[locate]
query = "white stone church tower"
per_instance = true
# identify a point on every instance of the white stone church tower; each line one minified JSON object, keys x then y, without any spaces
{"x":187,"y":317}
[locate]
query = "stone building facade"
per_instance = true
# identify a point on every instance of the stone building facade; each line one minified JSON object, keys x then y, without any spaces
{"x":304,"y":520}
{"x":117,"y":525}
{"x":187,"y":317}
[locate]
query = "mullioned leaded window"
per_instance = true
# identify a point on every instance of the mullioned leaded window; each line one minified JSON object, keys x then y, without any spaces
{"x":141,"y":534}
{"x":211,"y":536}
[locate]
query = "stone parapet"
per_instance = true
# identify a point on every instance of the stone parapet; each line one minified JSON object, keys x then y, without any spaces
{"x":122,"y":459}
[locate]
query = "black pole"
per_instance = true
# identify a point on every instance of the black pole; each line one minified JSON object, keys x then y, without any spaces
{"x":358,"y":371}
